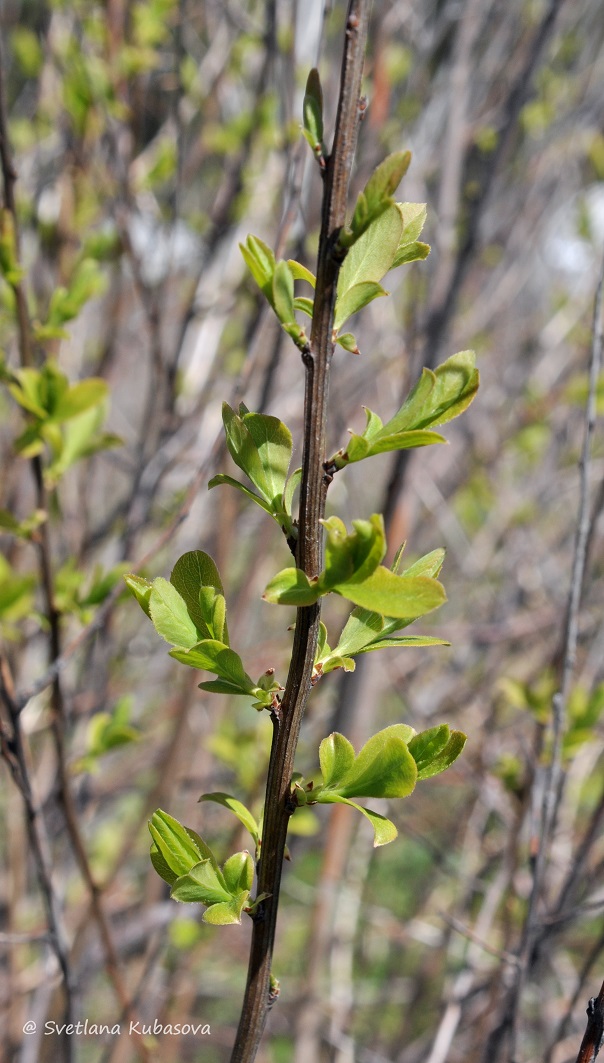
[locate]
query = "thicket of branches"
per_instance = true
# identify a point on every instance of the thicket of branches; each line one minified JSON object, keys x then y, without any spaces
{"x":147,"y":139}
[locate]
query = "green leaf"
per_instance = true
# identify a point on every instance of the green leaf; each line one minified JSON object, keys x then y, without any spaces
{"x":243,"y":450}
{"x":301,"y":273}
{"x":212,"y":656}
{"x":377,"y":196}
{"x":348,"y":342}
{"x":201,"y":884}
{"x":192,"y":572}
{"x":414,"y":219}
{"x":292,"y":587}
{"x":426,"y":745}
{"x":383,"y":768}
{"x":403,"y":640}
{"x":444,"y":759}
{"x":238,"y":873}
{"x":227,"y":912}
{"x":352,"y":558}
{"x":354,"y":299}
{"x":395,"y":596}
{"x":293,"y":481}
{"x":336,"y":757}
{"x":222,"y":478}
{"x":260,"y":261}
{"x":367,"y":261}
{"x":141,"y":589}
{"x":261,"y":446}
{"x":370,"y":257}
{"x":312,"y":110}
{"x":384,"y":830}
{"x":361,"y":629}
{"x":360,"y":447}
{"x":438,"y":396}
{"x":80,"y":397}
{"x":170,"y":616}
{"x":306,"y":305}
{"x":273,"y":441}
{"x":415,"y":252}
{"x":180,"y":848}
{"x":283,"y":293}
{"x":428,"y":565}
{"x":243,"y":814}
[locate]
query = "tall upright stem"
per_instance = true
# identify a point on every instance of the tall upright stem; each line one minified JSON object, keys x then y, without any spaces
{"x":259,"y":991}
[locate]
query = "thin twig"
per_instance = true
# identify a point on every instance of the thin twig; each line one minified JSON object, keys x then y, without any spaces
{"x":553,"y":776}
{"x":259,"y":993}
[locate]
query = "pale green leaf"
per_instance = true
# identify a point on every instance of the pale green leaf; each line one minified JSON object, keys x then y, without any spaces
{"x":301,"y":273}
{"x":227,"y":912}
{"x":444,"y":760}
{"x":243,"y":814}
{"x":193,"y":571}
{"x":383,"y":768}
{"x":283,"y":293}
{"x":336,"y":758}
{"x":222,"y":478}
{"x":354,"y":299}
{"x":201,"y":884}
{"x":141,"y":589}
{"x":170,"y":616}
{"x":395,"y":596}
{"x":238,"y":873}
{"x":292,"y":587}
{"x":370,"y":257}
{"x":384,"y":830}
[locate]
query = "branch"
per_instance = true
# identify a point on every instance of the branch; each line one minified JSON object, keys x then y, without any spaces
{"x":260,"y":989}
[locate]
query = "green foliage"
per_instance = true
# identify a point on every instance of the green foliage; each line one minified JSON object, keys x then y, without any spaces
{"x":312,"y":109}
{"x":189,"y":613}
{"x":189,"y":610}
{"x":108,"y":731}
{"x":388,"y":766}
{"x":353,"y":570}
{"x":190,"y":868}
{"x":64,"y":419}
{"x":261,"y":446}
{"x":438,"y":397}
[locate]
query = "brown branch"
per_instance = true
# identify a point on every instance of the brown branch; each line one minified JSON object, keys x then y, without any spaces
{"x":260,"y":990}
{"x":594,"y":1032}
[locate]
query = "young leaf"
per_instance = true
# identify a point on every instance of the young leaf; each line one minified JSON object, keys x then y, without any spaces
{"x":383,"y":768}
{"x":377,"y":195}
{"x":179,"y":848}
{"x":438,"y":396}
{"x":170,"y":616}
{"x":395,"y":596}
{"x":283,"y":293}
{"x":201,"y":884}
{"x":141,"y":589}
{"x":227,"y":912}
{"x":426,"y":745}
{"x":243,"y":814}
{"x":301,"y":273}
{"x":273,"y":441}
{"x":384,"y":830}
{"x":403,"y":640}
{"x":212,"y":656}
{"x":352,"y":558}
{"x":444,"y":759}
{"x":238,"y":873}
{"x":292,"y":587}
{"x":336,"y":757}
{"x":222,"y":478}
{"x":354,"y":299}
{"x":260,"y":261}
{"x":192,"y":572}
{"x":312,"y":110}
